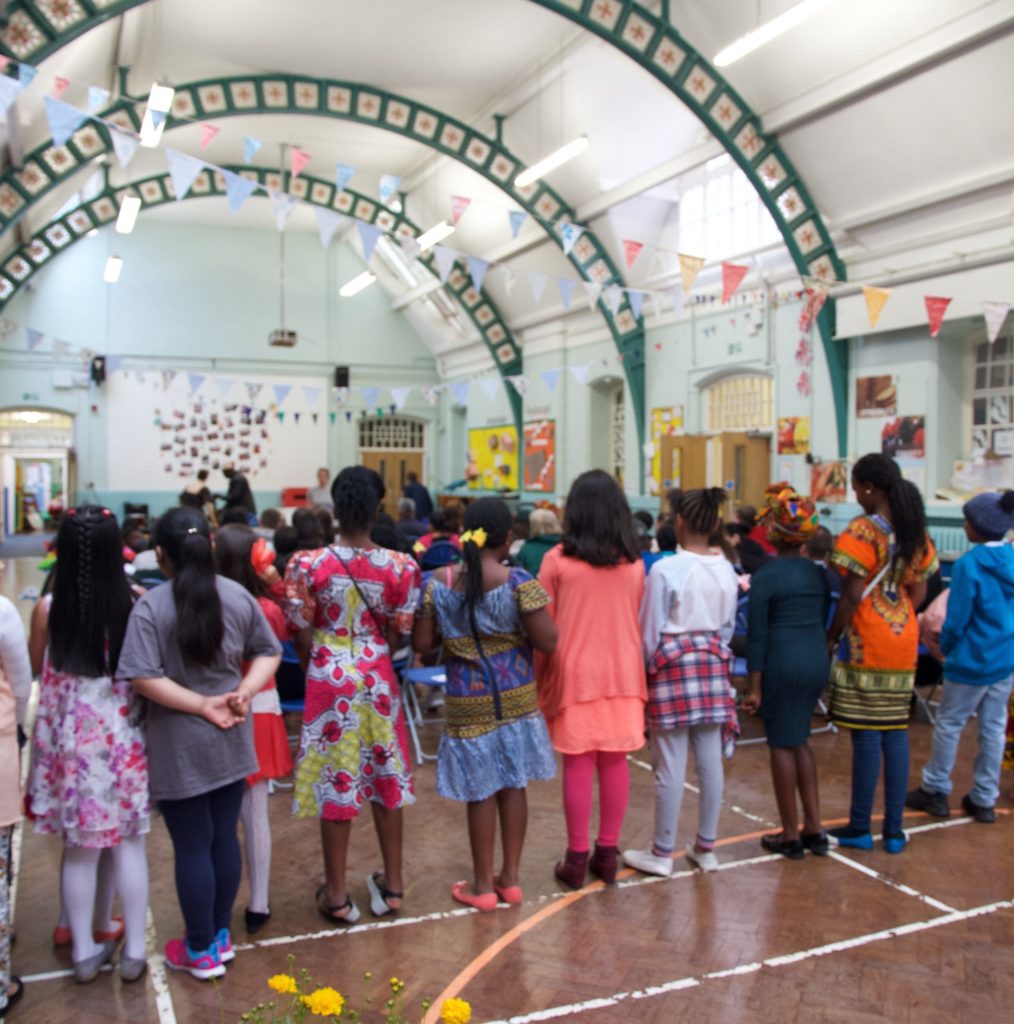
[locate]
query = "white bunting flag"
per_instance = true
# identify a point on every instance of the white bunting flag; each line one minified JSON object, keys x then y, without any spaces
{"x":519,"y":382}
{"x":537,"y":282}
{"x":995,"y":314}
{"x":400,"y":396}
{"x":477,"y":271}
{"x":567,"y":286}
{"x":636,"y":300}
{"x":125,"y":146}
{"x":460,"y":391}
{"x":613,"y":296}
{"x":328,"y":223}
{"x":490,"y":385}
{"x":369,"y":234}
{"x":410,"y":247}
{"x":592,"y":290}
{"x":224,"y":385}
{"x":370,"y":396}
{"x":431,"y":394}
{"x":311,"y":395}
{"x":570,"y":233}
{"x":183,"y":171}
{"x":97,"y":98}
{"x":282,"y":206}
{"x":509,"y":280}
{"x":579,"y":371}
{"x":445,"y":258}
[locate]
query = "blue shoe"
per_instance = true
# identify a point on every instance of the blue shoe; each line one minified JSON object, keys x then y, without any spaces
{"x":223,"y":940}
{"x":895,"y":844}
{"x":847,"y":837}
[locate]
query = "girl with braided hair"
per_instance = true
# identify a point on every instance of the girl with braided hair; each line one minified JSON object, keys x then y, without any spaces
{"x":489,"y":618}
{"x":886,"y":558}
{"x":687,"y":618}
{"x":89,"y":774}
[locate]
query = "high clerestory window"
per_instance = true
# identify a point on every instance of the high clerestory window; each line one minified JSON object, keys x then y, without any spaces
{"x":993,"y":396}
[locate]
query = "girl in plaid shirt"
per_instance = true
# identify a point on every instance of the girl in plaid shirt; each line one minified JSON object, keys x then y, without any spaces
{"x":687,"y":619}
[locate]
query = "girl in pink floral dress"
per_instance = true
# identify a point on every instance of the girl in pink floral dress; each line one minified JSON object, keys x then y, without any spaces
{"x":88,"y":782}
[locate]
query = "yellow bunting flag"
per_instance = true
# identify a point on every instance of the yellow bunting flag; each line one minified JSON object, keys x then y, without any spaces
{"x":876,"y":298}
{"x":690,"y":267}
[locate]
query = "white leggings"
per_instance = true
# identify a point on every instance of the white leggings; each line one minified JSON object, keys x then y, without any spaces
{"x":257,"y":843}
{"x":669,"y":759}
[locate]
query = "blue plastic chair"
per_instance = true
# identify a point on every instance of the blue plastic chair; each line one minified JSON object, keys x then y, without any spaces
{"x":435,"y":676}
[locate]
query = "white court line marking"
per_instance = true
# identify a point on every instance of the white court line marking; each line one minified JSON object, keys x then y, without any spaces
{"x":159,"y":981}
{"x":890,"y":883}
{"x":676,"y":985}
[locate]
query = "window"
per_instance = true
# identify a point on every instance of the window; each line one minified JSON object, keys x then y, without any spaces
{"x":391,"y":432}
{"x":993,"y":397}
{"x":617,"y":432}
{"x":740,"y":403}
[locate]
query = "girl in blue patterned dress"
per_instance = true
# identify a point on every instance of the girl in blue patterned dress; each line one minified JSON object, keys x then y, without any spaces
{"x":489,"y":618}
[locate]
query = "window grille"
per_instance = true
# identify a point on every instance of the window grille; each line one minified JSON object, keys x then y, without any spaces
{"x":389,"y":432}
{"x":993,"y":397}
{"x":744,"y":402}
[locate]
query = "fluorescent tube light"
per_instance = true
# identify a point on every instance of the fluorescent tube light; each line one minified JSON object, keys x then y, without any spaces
{"x":551,"y":162}
{"x":92,"y":233}
{"x":129,"y":209}
{"x":150,"y":134}
{"x":435,"y":234}
{"x":768,"y":31}
{"x":357,"y":284}
{"x":112,"y":272}
{"x":160,"y":99}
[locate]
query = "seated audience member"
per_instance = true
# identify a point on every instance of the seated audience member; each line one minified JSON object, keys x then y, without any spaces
{"x":544,"y":533}
{"x":520,"y":530}
{"x":818,"y":549}
{"x":309,"y":534}
{"x":419,"y":494}
{"x":746,"y":515}
{"x":750,"y":555}
{"x":407,"y":525}
{"x":666,"y":541}
{"x":326,"y":521}
{"x":286,"y":543}
{"x":441,"y":528}
{"x":271,"y":519}
{"x":234,"y":515}
{"x":321,"y":494}
{"x":386,"y":536}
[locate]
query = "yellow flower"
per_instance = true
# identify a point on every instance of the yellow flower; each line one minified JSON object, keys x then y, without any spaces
{"x":455,"y":1011}
{"x":283,"y":983}
{"x":324,"y":1002}
{"x":397,"y":985}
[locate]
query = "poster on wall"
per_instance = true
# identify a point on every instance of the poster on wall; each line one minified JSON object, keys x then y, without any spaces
{"x":540,"y":456}
{"x":904,"y":435}
{"x":665,"y":422}
{"x":829,"y":481}
{"x":793,"y":435}
{"x":492,"y":458}
{"x":876,"y":396}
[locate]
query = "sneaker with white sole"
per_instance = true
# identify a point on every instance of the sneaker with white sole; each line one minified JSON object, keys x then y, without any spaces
{"x":705,"y":860}
{"x":648,"y":862}
{"x":202,"y":964}
{"x":224,"y":942}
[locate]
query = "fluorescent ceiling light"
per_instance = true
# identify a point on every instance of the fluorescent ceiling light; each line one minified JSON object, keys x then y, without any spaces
{"x":112,"y":272}
{"x":357,"y":284}
{"x":768,"y":31}
{"x":129,"y":208}
{"x":160,"y":99}
{"x":92,"y":233}
{"x":551,"y":162}
{"x":435,"y":234}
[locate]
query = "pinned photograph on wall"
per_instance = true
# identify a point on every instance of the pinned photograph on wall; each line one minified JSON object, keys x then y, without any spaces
{"x":540,"y":456}
{"x":793,"y":435}
{"x":904,"y":435}
{"x":876,"y":396}
{"x":829,"y":481}
{"x":666,"y":421}
{"x":492,"y":458}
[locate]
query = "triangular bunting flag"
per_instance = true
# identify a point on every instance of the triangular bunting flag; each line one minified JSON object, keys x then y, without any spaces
{"x":342,"y":175}
{"x":579,"y":372}
{"x":281,"y":207}
{"x":341,"y":395}
{"x":281,"y":416}
{"x":311,"y":395}
{"x":592,"y":290}
{"x":690,"y":267}
{"x":732,"y":276}
{"x":63,"y":120}
{"x":250,"y":146}
{"x":60,"y":86}
{"x":517,"y":218}
{"x":477,"y":271}
{"x":125,"y":146}
{"x":281,"y":392}
{"x":388,"y":186}
{"x":368,"y":235}
{"x":445,"y":258}
{"x":238,"y":189}
{"x":7,"y":327}
{"x":195,"y":380}
{"x":60,"y":348}
{"x":431,"y":394}
{"x":183,"y":170}
{"x":613,"y":296}
{"x":519,"y":382}
{"x":490,"y":385}
{"x":224,"y":385}
{"x":875,"y":300}
{"x":157,"y":117}
{"x":400,"y":396}
{"x":410,"y":247}
{"x":570,"y":233}
{"x":253,"y":390}
{"x":97,"y":98}
{"x":26,"y":74}
{"x":370,"y":396}
{"x":458,"y":206}
{"x":935,"y":309}
{"x":567,"y":286}
{"x":113,"y":364}
{"x":208,"y":132}
{"x":509,"y":280}
{"x":328,"y":223}
{"x":995,"y":314}
{"x":298,"y":159}
{"x":636,"y":300}
{"x":34,"y":338}
{"x":332,"y":416}
{"x":460,"y":391}
{"x":168,"y":376}
{"x":537,"y":282}
{"x":550,"y":378}
{"x":631,"y":250}
{"x":296,"y":416}
{"x":9,"y":90}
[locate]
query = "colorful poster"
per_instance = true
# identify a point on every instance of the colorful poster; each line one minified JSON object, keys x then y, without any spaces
{"x":540,"y":456}
{"x":904,"y":435}
{"x":665,"y":421}
{"x":492,"y":458}
{"x":876,"y":396}
{"x":793,"y":435}
{"x":829,"y":481}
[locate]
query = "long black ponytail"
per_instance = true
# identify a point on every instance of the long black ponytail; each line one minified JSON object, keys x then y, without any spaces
{"x":184,"y":536}
{"x":908,"y":514}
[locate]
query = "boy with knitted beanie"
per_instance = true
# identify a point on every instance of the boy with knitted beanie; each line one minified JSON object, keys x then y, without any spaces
{"x":977,"y":641}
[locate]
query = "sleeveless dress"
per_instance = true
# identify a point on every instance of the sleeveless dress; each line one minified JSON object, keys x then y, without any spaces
{"x":271,"y":742}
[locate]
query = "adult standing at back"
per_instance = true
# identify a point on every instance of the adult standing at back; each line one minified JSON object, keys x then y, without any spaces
{"x":886,"y":557}
{"x":592,"y":687}
{"x":239,"y":494}
{"x":419,"y":494}
{"x":321,"y":494}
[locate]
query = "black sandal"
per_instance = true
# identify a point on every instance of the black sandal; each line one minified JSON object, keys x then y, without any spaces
{"x":777,"y":843}
{"x":380,"y":896}
{"x":343,"y":913}
{"x":13,"y":998}
{"x":816,"y":842}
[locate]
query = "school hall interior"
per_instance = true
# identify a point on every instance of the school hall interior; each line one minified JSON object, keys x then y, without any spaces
{"x":301,"y":235}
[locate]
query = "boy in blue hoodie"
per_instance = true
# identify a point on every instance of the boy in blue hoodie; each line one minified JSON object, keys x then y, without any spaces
{"x":977,"y":641}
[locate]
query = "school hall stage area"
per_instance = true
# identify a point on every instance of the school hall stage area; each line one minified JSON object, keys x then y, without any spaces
{"x":853,"y":937}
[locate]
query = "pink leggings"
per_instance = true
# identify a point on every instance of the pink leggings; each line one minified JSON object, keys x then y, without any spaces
{"x":614,"y":790}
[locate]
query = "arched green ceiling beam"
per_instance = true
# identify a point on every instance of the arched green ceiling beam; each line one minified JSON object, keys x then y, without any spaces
{"x":47,"y":166}
{"x":61,"y":233}
{"x":38,"y":28}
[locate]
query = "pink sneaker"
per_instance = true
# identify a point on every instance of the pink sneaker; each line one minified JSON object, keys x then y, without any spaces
{"x":203,"y":964}
{"x":223,"y":940}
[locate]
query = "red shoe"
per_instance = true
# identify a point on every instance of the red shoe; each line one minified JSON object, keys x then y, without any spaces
{"x":62,"y":936}
{"x":484,"y":901}
{"x":572,"y":869}
{"x":604,"y":863}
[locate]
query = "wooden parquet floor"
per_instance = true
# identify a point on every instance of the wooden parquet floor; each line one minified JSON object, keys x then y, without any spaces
{"x":857,"y":937}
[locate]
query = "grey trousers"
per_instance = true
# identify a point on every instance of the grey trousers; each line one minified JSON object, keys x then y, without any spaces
{"x":669,"y":759}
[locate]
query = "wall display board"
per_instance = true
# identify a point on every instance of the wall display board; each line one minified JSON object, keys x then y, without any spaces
{"x":163,"y":426}
{"x":793,"y":435}
{"x":829,"y":481}
{"x":904,"y":435}
{"x":876,"y":396}
{"x":493,"y":458}
{"x":666,"y":421}
{"x":540,"y":456}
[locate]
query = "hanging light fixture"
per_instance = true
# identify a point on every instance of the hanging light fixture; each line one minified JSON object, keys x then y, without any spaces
{"x":130,"y":206}
{"x":768,"y":31}
{"x":111,"y":274}
{"x":549,"y":163}
{"x":160,"y":101}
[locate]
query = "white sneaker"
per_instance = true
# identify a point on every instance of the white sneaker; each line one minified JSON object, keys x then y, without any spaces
{"x":703,"y":859}
{"x":647,"y":862}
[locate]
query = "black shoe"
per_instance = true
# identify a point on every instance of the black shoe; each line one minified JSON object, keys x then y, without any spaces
{"x":816,"y":842}
{"x":932,"y":803}
{"x":255,"y":920}
{"x":777,"y":843}
{"x":987,"y":815}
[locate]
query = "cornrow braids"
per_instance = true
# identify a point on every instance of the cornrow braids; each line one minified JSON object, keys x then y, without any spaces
{"x":701,"y":509}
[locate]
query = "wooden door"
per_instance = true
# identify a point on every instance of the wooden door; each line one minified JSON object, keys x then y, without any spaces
{"x":684,"y":463}
{"x":746,"y":466}
{"x":393,"y":466}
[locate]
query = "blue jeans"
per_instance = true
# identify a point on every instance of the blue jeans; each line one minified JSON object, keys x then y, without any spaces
{"x":868,"y":747}
{"x":959,"y":702}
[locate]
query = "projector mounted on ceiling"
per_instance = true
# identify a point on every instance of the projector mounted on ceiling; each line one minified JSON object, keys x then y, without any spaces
{"x":282,"y":337}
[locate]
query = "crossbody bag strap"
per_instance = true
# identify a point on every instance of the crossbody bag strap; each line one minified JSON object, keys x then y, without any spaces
{"x":359,"y":591}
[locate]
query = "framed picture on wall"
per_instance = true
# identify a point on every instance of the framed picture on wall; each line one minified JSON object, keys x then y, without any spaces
{"x":540,"y":456}
{"x":492,"y":459}
{"x":876,"y":396}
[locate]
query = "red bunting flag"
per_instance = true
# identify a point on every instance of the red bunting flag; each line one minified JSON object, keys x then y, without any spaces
{"x":208,"y":132}
{"x":458,"y":206}
{"x":631,"y":250}
{"x":298,"y":159}
{"x":59,"y":86}
{"x":935,"y":309}
{"x":732,"y":276}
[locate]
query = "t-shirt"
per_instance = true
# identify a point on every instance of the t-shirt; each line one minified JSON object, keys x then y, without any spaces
{"x":187,"y":755}
{"x":320,"y":496}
